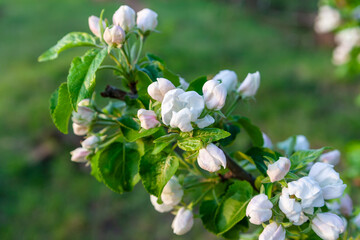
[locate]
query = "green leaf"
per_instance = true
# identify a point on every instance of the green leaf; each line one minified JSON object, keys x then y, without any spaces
{"x":172,"y":77}
{"x":234,"y":232}
{"x":259,"y":156}
{"x":82,"y":73}
{"x":233,"y":206}
{"x":197,"y":84}
{"x":132,"y":131}
{"x":190,"y":144}
{"x":252,"y":130}
{"x":166,"y":138}
{"x":233,"y":130}
{"x":60,"y":108}
{"x":94,"y":161}
{"x":207,"y":212}
{"x":143,"y":81}
{"x":156,"y":170}
{"x":301,"y":159}
{"x":118,"y":165}
{"x":207,"y":135}
{"x":70,"y":40}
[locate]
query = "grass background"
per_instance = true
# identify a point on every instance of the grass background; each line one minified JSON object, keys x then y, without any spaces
{"x":45,"y":196}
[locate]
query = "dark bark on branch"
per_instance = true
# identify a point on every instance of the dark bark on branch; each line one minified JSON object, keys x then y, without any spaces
{"x":238,"y":172}
{"x":113,"y":92}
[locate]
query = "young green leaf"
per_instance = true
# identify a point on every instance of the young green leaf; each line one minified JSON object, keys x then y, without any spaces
{"x":252,"y":130}
{"x":70,"y":40}
{"x":190,"y":144}
{"x":233,"y":206}
{"x":156,"y":170}
{"x":60,"y":108}
{"x":118,"y":166}
{"x":197,"y":84}
{"x":208,"y":135}
{"x":82,"y":73}
{"x":301,"y":159}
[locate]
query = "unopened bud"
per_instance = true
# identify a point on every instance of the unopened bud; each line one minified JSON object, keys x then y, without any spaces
{"x":114,"y":36}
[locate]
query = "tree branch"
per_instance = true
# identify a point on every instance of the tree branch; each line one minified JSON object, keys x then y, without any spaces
{"x":113,"y":92}
{"x":238,"y":172}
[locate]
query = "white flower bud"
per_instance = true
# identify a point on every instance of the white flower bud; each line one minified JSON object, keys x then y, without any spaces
{"x":124,"y":17}
{"x":79,"y":155}
{"x":160,"y":207}
{"x":205,"y":121}
{"x":273,"y":232}
{"x":158,"y":89}
{"x":327,"y":19}
{"x":329,"y":180}
{"x":184,"y":84}
{"x":174,"y":102}
{"x":211,"y":158}
{"x":147,"y":118}
{"x":80,"y":130}
{"x":328,"y":226}
{"x":85,"y":115}
{"x":308,"y":190}
{"x":114,"y":36}
{"x":332,"y":157}
{"x":214,"y":94}
{"x":341,"y":54}
{"x":301,"y":143}
{"x":267,"y":141}
{"x":146,"y":20}
{"x":183,"y":221}
{"x":278,"y":169}
{"x":346,"y":205}
{"x":182,"y":120}
{"x":303,"y":219}
{"x":250,"y":85}
{"x":91,"y":142}
{"x":228,"y":78}
{"x":172,"y":192}
{"x":356,"y":221}
{"x":95,"y":26}
{"x":291,"y":208}
{"x":259,"y":209}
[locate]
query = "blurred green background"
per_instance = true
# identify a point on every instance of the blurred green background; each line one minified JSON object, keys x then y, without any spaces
{"x":45,"y":196}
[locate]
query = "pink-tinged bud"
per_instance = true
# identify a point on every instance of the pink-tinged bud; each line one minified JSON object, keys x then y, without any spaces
{"x":95,"y":26}
{"x":250,"y":85}
{"x":80,"y":130}
{"x":147,"y":118}
{"x":273,"y":232}
{"x":346,"y":205}
{"x":278,"y":169}
{"x":259,"y":209}
{"x":228,"y":78}
{"x":91,"y":142}
{"x":328,"y":226}
{"x":79,"y":155}
{"x":214,"y":94}
{"x":160,"y":207}
{"x":146,"y":20}
{"x":183,"y":221}
{"x":211,"y":158}
{"x":124,"y":17}
{"x":114,"y":36}
{"x":332,"y":157}
{"x":158,"y":89}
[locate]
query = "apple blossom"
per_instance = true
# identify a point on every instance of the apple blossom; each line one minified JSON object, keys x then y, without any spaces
{"x":158,"y":89}
{"x":228,"y":78}
{"x":259,"y":209}
{"x":346,"y":205}
{"x":176,"y":100}
{"x":250,"y":85}
{"x":79,"y":155}
{"x":91,"y":142}
{"x":356,"y":221}
{"x":301,"y":143}
{"x":267,"y":141}
{"x":147,"y":118}
{"x":289,"y":206}
{"x":211,"y":158}
{"x":328,"y":226}
{"x":183,"y":83}
{"x":160,"y":207}
{"x":95,"y":26}
{"x":172,"y":192}
{"x":114,"y":36}
{"x":308,"y":190}
{"x":214,"y":94}
{"x":327,"y":20}
{"x":124,"y":17}
{"x":85,"y":115}
{"x":80,"y":130}
{"x":278,"y":169}
{"x":146,"y":20}
{"x":183,"y":221}
{"x":273,"y":231}
{"x":332,"y":157}
{"x":205,"y":121}
{"x":329,"y":181}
